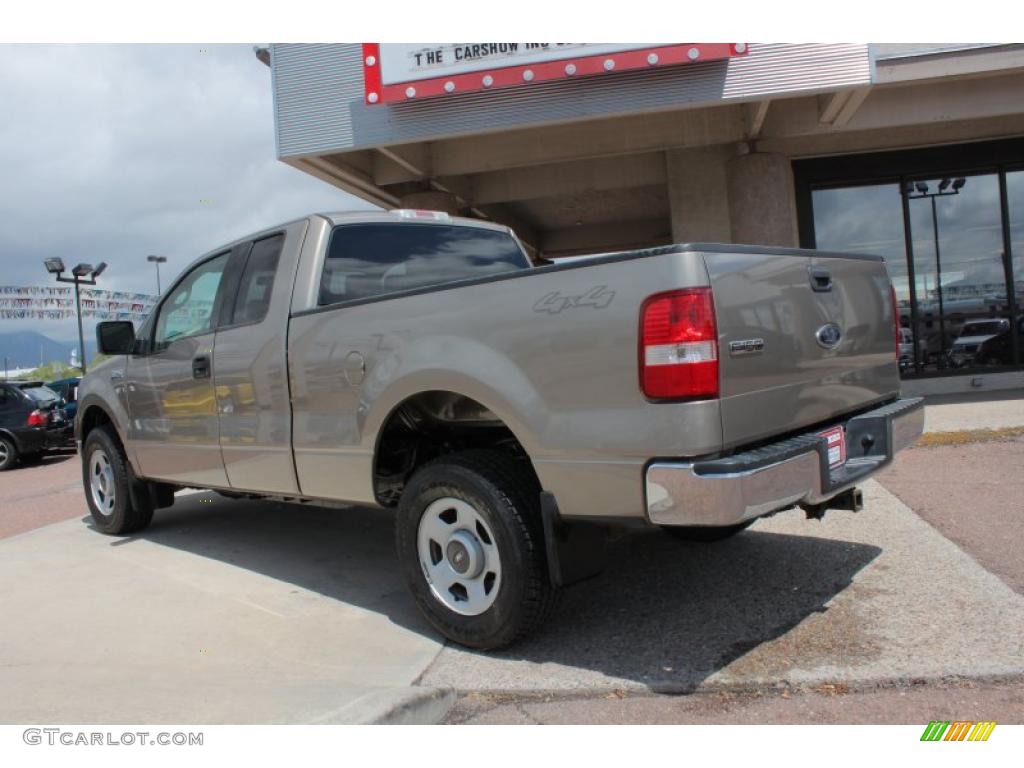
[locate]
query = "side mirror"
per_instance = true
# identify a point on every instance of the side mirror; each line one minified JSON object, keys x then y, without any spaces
{"x":115,"y":337}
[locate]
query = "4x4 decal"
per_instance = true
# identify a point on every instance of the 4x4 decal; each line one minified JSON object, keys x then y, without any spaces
{"x":597,"y":297}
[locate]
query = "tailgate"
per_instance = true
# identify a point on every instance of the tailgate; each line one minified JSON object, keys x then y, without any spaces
{"x":803,"y":338}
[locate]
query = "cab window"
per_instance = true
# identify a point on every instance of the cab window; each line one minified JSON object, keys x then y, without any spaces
{"x":365,"y":260}
{"x":254,"y":290}
{"x":188,"y":309}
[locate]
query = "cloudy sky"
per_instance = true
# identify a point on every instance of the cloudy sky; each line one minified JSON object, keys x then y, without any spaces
{"x":107,"y":151}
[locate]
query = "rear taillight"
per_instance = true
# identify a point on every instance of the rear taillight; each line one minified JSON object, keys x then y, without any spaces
{"x":37,"y":419}
{"x":896,"y":319}
{"x":679,"y":345}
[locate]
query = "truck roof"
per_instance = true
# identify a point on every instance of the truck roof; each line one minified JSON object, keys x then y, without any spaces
{"x":398,"y":216}
{"x":402,"y":216}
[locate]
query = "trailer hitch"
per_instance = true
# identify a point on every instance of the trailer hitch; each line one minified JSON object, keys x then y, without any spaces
{"x":851,"y":500}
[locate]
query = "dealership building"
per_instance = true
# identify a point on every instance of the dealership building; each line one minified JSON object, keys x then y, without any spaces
{"x":911,"y":151}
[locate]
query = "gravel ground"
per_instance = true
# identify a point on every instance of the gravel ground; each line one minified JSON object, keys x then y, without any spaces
{"x":974,"y":495}
{"x":918,"y":704}
{"x":37,"y":495}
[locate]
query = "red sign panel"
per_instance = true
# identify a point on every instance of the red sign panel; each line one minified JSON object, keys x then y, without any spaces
{"x":410,"y":72}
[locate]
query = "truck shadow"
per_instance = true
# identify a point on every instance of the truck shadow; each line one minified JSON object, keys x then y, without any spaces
{"x":665,"y":614}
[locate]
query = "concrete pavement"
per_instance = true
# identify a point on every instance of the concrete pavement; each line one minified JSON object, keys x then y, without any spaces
{"x":222,"y":612}
{"x":974,"y":410}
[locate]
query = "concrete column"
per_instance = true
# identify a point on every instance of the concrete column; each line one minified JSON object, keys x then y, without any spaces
{"x":762,"y":199}
{"x":697,"y":194}
{"x":431,"y":201}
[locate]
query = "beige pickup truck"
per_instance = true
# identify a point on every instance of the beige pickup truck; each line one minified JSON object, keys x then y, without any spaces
{"x":509,"y":413}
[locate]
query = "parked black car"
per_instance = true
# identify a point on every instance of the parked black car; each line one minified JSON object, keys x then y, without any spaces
{"x":68,"y":390}
{"x":31,"y":420}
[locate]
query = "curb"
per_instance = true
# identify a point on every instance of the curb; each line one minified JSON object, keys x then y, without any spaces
{"x":750,"y":688}
{"x":396,"y":706}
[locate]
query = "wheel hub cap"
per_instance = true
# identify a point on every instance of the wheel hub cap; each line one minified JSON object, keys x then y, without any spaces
{"x":465,"y":554}
{"x":102,"y":485}
{"x":458,"y":556}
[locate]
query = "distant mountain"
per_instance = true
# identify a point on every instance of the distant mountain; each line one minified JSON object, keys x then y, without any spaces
{"x":25,"y":349}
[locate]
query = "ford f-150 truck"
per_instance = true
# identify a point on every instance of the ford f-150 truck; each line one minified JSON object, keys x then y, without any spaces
{"x":509,"y":413}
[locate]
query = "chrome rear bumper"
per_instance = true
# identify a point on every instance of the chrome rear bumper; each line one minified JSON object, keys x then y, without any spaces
{"x":719,"y":492}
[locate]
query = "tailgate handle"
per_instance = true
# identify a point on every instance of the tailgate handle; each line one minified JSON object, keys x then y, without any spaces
{"x":821,"y":279}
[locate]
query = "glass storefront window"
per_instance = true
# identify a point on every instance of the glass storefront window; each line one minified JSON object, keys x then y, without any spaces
{"x":960,"y":273}
{"x":1015,"y":205}
{"x":965,"y":289}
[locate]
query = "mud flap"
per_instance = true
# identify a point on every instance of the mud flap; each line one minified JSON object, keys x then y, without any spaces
{"x":576,"y":550}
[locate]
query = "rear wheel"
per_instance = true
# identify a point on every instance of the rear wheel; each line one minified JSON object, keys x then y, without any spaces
{"x":8,"y":453}
{"x":704,"y":533}
{"x":470,"y":539}
{"x":119,"y":503}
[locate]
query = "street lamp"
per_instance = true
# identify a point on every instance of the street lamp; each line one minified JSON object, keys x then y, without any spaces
{"x":919,"y":190}
{"x":82,"y":274}
{"x":158,"y":260}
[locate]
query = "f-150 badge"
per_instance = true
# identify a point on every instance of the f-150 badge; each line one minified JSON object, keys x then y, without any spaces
{"x":746,"y":347}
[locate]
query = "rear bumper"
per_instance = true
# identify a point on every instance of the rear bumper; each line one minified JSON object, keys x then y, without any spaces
{"x":718,"y":492}
{"x":61,"y":437}
{"x":29,"y":439}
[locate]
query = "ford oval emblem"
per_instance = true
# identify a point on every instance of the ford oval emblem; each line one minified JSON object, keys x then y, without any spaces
{"x":829,"y":336}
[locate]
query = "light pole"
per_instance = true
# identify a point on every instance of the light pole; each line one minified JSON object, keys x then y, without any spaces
{"x":83,"y":274}
{"x":158,"y":260}
{"x":919,"y":190}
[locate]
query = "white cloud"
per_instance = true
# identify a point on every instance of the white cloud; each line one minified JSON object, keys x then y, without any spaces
{"x":107,"y":151}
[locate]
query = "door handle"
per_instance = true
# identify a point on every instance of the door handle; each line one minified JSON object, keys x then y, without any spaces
{"x":201,"y":367}
{"x":821,"y":279}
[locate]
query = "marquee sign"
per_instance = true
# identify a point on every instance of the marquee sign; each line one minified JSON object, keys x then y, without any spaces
{"x":412,"y":71}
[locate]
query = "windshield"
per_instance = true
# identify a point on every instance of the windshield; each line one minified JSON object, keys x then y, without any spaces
{"x":41,"y":394}
{"x":983,"y":329}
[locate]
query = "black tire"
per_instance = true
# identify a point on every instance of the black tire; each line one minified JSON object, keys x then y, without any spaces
{"x":8,"y":453}
{"x":131,"y":509}
{"x":504,"y":492}
{"x":705,"y":533}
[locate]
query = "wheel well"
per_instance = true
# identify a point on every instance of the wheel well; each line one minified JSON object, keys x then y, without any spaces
{"x":94,"y":417}
{"x":431,"y":424}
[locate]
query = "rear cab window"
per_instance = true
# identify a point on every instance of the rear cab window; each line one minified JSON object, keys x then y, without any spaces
{"x":41,"y":394}
{"x":367,"y":260}
{"x":257,"y":282}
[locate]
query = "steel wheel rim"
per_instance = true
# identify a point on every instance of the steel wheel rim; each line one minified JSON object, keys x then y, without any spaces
{"x":459,"y":556}
{"x":4,"y":454}
{"x":102,"y":484}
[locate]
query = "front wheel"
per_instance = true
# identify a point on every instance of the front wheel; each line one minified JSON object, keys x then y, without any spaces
{"x":705,"y":533}
{"x":470,"y":540}
{"x":109,"y":484}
